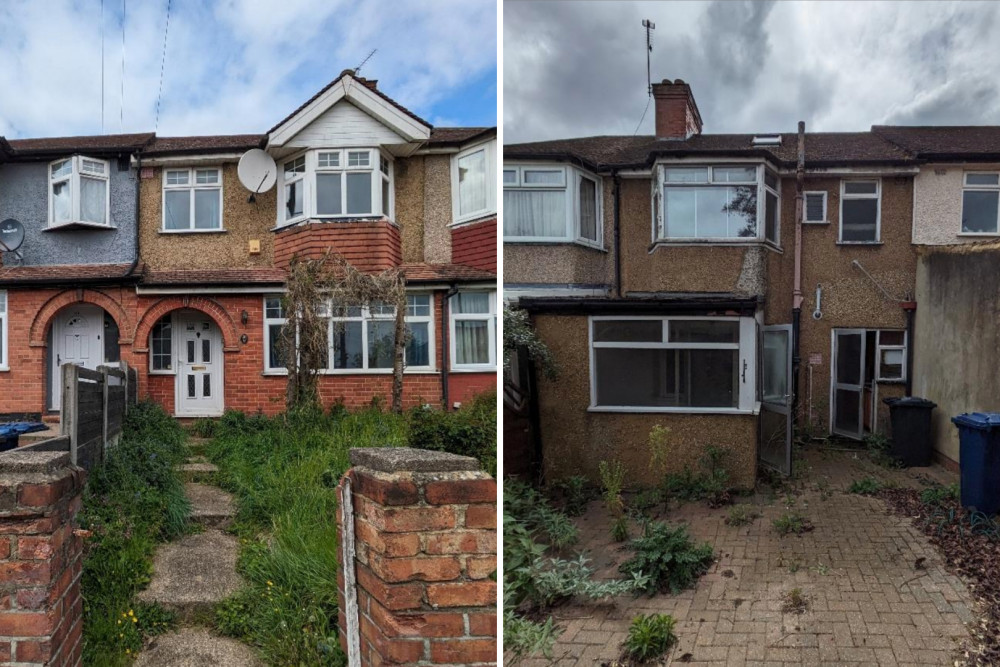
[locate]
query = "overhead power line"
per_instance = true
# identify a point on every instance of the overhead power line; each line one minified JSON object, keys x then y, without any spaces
{"x":163,"y":62}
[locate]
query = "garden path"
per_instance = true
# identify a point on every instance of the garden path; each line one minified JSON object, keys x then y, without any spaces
{"x":878,"y":592}
{"x":193,"y":574}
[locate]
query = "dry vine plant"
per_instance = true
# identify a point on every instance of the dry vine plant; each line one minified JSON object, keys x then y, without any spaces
{"x":313,"y":285}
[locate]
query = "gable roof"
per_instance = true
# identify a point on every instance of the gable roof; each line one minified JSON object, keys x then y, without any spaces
{"x":943,"y":142}
{"x":456,"y":136}
{"x":362,"y":95}
{"x":223,"y":143}
{"x":822,"y":149}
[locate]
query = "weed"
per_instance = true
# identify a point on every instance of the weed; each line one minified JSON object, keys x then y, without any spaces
{"x":794,"y":566}
{"x":645,"y":500}
{"x":537,"y":516}
{"x":523,"y":637}
{"x":659,"y":449}
{"x":794,"y":602}
{"x":792,"y":522}
{"x":821,"y":569}
{"x":866,"y":486}
{"x":619,"y":531}
{"x":576,"y":494}
{"x":612,"y":481}
{"x":878,"y":449}
{"x":711,"y":483}
{"x":668,"y":558}
{"x":649,"y":637}
{"x":741,"y":515}
{"x":939,"y":495}
{"x":203,"y":428}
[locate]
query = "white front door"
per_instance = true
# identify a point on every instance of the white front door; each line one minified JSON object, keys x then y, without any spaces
{"x":199,"y":367}
{"x":77,"y":338}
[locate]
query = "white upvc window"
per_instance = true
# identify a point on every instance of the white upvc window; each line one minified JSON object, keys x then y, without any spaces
{"x":890,"y":357}
{"x":336,"y":183}
{"x":814,"y":207}
{"x":192,"y":200}
{"x":361,"y":340}
{"x":860,"y":211}
{"x":473,"y":323}
{"x":672,"y":364}
{"x":474,"y":182}
{"x":722,"y":202}
{"x":79,"y":192}
{"x":4,"y":344}
{"x":161,"y":347}
{"x":552,"y":203}
{"x":981,"y":203}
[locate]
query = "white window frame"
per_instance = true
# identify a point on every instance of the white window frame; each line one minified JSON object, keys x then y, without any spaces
{"x":74,"y":178}
{"x":879,"y":348}
{"x":569,"y":185}
{"x":192,"y":185}
{"x":805,"y":209}
{"x":365,"y":317}
{"x":5,"y":341}
{"x":978,"y":188}
{"x":660,"y":184}
{"x":746,"y":369}
{"x":310,"y":190}
{"x":490,"y":155}
{"x":491,"y":318}
{"x":878,"y":209}
{"x":173,"y":347}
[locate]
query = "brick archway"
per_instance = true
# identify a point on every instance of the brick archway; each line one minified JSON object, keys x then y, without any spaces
{"x":210,"y":307}
{"x":43,"y":319}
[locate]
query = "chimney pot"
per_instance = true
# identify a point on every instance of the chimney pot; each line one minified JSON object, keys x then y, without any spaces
{"x":677,"y":115}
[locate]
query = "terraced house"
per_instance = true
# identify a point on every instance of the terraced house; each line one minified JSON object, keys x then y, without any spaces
{"x":150,"y":250}
{"x":681,"y":280}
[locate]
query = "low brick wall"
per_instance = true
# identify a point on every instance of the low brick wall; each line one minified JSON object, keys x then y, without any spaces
{"x":420,"y":589}
{"x":41,"y":611}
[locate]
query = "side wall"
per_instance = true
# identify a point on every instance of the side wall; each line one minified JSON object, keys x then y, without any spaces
{"x":937,"y":208}
{"x":957,"y":293}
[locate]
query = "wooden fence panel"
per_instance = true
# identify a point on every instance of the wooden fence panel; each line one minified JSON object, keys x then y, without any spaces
{"x":93,"y":409}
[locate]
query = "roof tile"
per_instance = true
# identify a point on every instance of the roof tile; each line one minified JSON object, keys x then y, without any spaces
{"x":10,"y":275}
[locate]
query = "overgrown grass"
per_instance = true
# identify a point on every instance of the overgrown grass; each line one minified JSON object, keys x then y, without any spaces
{"x":131,"y":502}
{"x":284,"y":472}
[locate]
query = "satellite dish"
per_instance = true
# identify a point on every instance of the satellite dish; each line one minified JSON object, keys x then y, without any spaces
{"x":11,"y":235}
{"x":257,"y":172}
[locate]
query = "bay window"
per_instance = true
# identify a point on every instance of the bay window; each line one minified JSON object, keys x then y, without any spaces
{"x":360,"y":339}
{"x":718,"y":203}
{"x":980,"y":203}
{"x":680,"y":364}
{"x":551,"y":204}
{"x":336,"y":183}
{"x":473,"y":182}
{"x":79,"y":192}
{"x":192,"y":200}
{"x":473,"y":331}
{"x":860,"y":206}
{"x":3,"y":330}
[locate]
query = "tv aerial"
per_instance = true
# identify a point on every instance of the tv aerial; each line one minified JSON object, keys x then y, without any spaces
{"x":11,"y":238}
{"x":257,"y":172}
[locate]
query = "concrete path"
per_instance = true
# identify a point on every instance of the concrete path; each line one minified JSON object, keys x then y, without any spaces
{"x":193,"y":574}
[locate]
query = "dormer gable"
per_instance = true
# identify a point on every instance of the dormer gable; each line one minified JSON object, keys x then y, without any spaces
{"x":350,"y":111}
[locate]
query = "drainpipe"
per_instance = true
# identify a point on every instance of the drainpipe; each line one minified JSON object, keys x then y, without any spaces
{"x":616,"y":196}
{"x":138,"y":230}
{"x":910,"y":307}
{"x":446,"y":349}
{"x":800,"y":169}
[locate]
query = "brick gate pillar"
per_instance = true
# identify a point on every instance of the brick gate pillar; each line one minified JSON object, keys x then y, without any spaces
{"x":41,"y":612}
{"x":419,"y":589}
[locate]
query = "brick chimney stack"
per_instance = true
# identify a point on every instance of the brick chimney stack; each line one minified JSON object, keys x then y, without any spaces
{"x":677,"y":114}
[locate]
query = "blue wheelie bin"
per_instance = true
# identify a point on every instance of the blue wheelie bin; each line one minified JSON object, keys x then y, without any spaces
{"x":979,"y":459}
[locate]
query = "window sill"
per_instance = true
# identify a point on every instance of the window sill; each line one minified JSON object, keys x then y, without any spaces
{"x":979,"y":235}
{"x":551,"y":242}
{"x":328,"y":219}
{"x":679,"y":411}
{"x":166,"y":373}
{"x":477,"y":369}
{"x":816,"y":222}
{"x":68,"y":226}
{"x":4,"y":369}
{"x":891,"y":382}
{"x":193,"y":231}
{"x":358,"y":371}
{"x":469,"y":220}
{"x":857,"y":243}
{"x":717,"y":243}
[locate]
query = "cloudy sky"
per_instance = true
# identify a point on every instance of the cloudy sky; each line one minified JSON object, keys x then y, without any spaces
{"x":576,"y":68}
{"x":236,"y":66}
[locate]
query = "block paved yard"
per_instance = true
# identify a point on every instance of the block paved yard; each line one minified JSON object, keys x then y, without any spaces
{"x":868,"y":603}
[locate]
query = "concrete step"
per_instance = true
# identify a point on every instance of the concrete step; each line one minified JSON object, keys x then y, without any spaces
{"x":197,"y":471}
{"x":210,"y":506}
{"x":195,"y":648}
{"x":193,"y":574}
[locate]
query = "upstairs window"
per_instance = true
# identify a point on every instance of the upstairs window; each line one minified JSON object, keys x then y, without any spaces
{"x":551,"y":204}
{"x":980,"y":202}
{"x":192,"y":200}
{"x":337,"y":183}
{"x":815,"y":207}
{"x":78,"y":192}
{"x":473,"y":182}
{"x":860,"y":204}
{"x":720,"y":203}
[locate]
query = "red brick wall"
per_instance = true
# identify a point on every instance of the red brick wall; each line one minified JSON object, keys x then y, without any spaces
{"x":462,"y":387}
{"x":426,"y":547}
{"x":368,"y":246}
{"x":475,"y":245}
{"x":41,"y":611}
